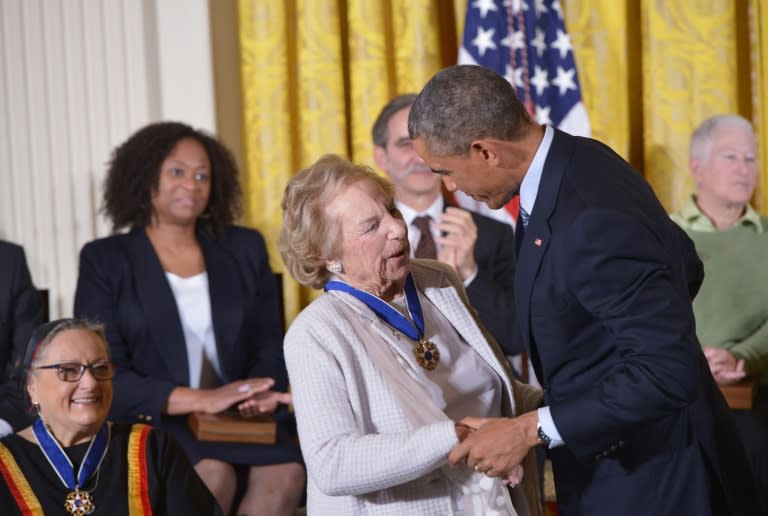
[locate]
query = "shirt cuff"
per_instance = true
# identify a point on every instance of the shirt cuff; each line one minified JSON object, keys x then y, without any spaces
{"x":549,"y":428}
{"x":470,"y":278}
{"x":5,"y":428}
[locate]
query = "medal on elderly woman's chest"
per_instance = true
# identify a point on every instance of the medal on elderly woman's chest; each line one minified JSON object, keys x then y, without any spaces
{"x":427,"y":354}
{"x":77,"y":501}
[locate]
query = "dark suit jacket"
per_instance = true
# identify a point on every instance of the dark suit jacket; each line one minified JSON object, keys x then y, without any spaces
{"x":122,"y":284}
{"x":20,"y":312}
{"x":492,"y":291}
{"x":604,"y":289}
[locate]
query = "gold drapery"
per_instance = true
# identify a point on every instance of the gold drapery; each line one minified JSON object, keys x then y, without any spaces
{"x":315,"y":73}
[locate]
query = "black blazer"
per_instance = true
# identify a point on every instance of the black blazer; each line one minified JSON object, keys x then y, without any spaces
{"x":21,"y":310}
{"x":492,"y":291}
{"x":122,"y":284}
{"x":604,"y":288}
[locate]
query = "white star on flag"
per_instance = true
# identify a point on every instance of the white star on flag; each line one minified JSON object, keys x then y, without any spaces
{"x":530,"y":37}
{"x":538,"y":42}
{"x":542,"y":114}
{"x":562,"y":43}
{"x":564,"y":80}
{"x":539,"y":80}
{"x":484,"y":40}
{"x":485,"y":6}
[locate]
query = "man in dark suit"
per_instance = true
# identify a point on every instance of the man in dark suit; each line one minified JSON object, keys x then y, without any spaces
{"x":20,"y":312}
{"x":479,"y":248}
{"x":633,"y":420}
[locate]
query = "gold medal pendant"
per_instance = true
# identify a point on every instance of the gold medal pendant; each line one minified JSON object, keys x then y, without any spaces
{"x":79,"y":502}
{"x":427,"y":354}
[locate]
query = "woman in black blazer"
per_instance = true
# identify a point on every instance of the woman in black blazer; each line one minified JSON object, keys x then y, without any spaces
{"x":191,"y":310}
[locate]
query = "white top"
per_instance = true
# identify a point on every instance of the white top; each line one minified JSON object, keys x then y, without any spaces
{"x":194,"y":305}
{"x":462,"y":384}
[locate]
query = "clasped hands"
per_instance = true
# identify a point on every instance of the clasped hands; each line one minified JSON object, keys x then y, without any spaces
{"x":252,"y":397}
{"x":495,"y":446}
{"x":724,"y":366}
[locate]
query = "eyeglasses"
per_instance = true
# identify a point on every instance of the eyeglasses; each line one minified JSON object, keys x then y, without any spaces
{"x":73,"y":371}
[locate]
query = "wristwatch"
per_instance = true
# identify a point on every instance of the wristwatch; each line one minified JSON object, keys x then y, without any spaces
{"x":543,"y":438}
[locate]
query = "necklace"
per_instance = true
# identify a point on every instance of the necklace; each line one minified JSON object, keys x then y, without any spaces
{"x":427,"y":354}
{"x":77,"y":501}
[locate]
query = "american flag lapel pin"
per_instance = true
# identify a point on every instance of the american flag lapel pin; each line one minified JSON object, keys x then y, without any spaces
{"x":537,"y":242}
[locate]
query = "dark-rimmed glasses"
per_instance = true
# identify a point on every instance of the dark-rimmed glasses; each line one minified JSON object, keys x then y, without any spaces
{"x":74,"y":371}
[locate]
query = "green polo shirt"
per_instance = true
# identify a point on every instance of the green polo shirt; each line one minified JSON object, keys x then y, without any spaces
{"x":732,"y":306}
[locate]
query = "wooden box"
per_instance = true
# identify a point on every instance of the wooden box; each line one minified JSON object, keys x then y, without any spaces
{"x":739,"y":395}
{"x":232,"y":428}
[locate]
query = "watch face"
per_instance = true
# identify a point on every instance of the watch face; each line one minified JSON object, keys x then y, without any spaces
{"x":544,"y":438}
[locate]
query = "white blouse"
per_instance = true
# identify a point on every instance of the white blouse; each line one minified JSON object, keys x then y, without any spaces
{"x":194,"y":305}
{"x":462,"y":384}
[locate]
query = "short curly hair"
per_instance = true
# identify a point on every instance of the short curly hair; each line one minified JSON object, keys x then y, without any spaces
{"x":134,"y":173}
{"x":309,"y":237}
{"x":463,"y":103}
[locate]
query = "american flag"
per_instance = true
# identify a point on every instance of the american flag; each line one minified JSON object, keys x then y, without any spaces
{"x":526,"y":42}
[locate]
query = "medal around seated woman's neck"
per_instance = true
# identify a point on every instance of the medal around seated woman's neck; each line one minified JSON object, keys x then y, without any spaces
{"x":79,"y":502}
{"x":427,"y":354}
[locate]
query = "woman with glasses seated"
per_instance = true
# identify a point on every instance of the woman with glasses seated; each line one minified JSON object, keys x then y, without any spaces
{"x":72,"y":458}
{"x":191,"y":312}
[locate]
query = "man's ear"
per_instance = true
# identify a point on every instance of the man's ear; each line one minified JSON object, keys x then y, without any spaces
{"x":380,"y":158}
{"x":695,"y":164}
{"x":486,"y":150}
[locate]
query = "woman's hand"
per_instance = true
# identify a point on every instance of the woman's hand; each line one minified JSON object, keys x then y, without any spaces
{"x":514,"y":477}
{"x":221,"y":398}
{"x":261,"y":403}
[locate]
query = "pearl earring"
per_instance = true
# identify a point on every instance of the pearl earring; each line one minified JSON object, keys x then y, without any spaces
{"x":335,"y":267}
{"x":37,"y":406}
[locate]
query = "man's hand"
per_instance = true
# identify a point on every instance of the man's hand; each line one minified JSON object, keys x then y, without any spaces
{"x":457,"y":241}
{"x":724,"y":366}
{"x":497,"y":445}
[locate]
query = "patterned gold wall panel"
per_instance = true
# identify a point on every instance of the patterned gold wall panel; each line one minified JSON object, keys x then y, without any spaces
{"x":599,"y":34}
{"x":689,"y":73}
{"x":759,"y":67}
{"x":371,"y":76}
{"x":417,"y":45}
{"x":320,"y":108}
{"x":267,"y":83}
{"x":394,"y":48}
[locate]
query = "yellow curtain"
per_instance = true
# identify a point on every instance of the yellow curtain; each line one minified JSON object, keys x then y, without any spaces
{"x":652,"y":70}
{"x":315,"y":73}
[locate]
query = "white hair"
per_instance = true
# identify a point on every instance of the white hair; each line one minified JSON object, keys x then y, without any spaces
{"x":701,"y":139}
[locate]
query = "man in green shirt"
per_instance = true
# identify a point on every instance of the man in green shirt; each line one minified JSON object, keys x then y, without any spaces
{"x":732,"y":241}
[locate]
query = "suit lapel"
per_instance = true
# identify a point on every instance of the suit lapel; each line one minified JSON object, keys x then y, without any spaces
{"x":538,"y":235}
{"x":227,"y":300}
{"x":160,"y":312}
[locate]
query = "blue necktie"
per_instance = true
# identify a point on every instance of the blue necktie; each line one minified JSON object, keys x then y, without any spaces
{"x":522,"y":224}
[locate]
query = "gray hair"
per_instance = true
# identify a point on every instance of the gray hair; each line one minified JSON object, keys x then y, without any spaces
{"x":309,"y":237}
{"x":464,"y":103}
{"x":701,"y":139}
{"x":44,"y":335}
{"x":380,"y":131}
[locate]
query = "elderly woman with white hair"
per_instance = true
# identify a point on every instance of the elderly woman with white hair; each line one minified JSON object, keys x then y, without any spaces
{"x":385,"y":364}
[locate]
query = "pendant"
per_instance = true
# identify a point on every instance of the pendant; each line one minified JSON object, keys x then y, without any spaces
{"x":427,"y":354}
{"x":79,"y":502}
